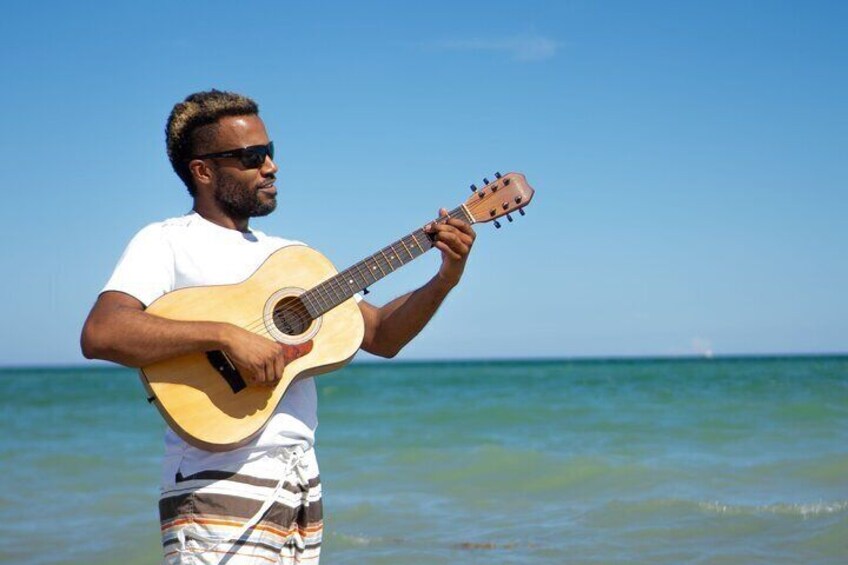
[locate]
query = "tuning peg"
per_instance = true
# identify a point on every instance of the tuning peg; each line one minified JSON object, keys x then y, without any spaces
{"x":508,"y":217}
{"x":521,"y":211}
{"x":497,"y":224}
{"x":473,"y":188}
{"x":485,"y":180}
{"x":497,"y":175}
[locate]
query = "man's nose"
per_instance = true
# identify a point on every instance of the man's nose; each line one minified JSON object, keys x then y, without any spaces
{"x":269,"y":167}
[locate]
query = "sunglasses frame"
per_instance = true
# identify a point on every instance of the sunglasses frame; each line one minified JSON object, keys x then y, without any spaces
{"x":245,"y":155}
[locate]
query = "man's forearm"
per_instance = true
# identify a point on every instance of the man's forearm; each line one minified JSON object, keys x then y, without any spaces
{"x":135,"y":338}
{"x":396,"y":323}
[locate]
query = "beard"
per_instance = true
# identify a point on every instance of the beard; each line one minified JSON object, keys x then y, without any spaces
{"x":242,"y":201}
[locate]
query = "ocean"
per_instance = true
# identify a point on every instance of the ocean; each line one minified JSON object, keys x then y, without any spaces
{"x":625,"y":461}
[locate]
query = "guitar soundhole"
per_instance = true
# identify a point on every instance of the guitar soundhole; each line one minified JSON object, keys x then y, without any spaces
{"x":291,"y":317}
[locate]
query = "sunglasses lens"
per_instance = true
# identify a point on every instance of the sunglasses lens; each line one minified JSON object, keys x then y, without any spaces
{"x":254,"y":157}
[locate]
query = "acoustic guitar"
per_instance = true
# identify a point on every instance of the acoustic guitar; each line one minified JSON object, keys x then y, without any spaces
{"x":297,"y":298}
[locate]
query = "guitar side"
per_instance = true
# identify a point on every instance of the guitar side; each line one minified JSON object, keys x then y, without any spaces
{"x":194,"y":397}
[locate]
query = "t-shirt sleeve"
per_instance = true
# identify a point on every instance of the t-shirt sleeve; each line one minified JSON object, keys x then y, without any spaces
{"x":146,"y":268}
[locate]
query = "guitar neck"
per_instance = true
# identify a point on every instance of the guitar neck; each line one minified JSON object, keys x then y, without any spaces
{"x":335,"y":290}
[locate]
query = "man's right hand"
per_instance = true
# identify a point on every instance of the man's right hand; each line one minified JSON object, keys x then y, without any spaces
{"x":259,"y":360}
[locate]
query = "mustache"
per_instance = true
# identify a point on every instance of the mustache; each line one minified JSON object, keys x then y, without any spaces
{"x":269,"y":180}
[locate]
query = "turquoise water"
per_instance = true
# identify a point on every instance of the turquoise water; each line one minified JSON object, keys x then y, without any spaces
{"x":707,"y":461}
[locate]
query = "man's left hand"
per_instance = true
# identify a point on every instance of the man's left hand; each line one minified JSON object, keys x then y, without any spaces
{"x":454,"y":239}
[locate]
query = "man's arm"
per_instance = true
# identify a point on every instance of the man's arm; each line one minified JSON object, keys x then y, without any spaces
{"x":118,"y":329}
{"x":389,"y":328}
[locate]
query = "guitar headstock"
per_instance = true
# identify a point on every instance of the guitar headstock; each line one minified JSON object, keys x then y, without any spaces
{"x":506,"y":194}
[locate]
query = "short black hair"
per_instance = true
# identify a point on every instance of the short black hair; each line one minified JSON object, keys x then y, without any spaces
{"x":192,"y":125}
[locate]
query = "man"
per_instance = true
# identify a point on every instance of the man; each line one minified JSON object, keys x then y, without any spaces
{"x":260,"y":503}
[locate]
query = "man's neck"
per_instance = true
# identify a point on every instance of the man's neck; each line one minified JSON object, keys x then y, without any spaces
{"x":219,"y":217}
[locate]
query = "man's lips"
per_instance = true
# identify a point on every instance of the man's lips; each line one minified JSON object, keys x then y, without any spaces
{"x":268,"y":187}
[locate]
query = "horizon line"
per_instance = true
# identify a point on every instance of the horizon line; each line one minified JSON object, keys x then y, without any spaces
{"x":97,"y":364}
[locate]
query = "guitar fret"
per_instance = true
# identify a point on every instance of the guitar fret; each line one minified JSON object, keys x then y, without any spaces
{"x":306,"y":300}
{"x":377,"y":264}
{"x":309,"y":301}
{"x":345,"y":278}
{"x":311,"y":306}
{"x":349,"y":282}
{"x":358,"y":275}
{"x":415,"y":239}
{"x":321,"y":294}
{"x":389,"y":263}
{"x":329,"y":291}
{"x":324,"y":292}
{"x":319,"y":300}
{"x":321,"y":297}
{"x":411,"y":256}
{"x":368,"y":271}
{"x":338,"y":291}
{"x":466,"y":214}
{"x":394,"y":255}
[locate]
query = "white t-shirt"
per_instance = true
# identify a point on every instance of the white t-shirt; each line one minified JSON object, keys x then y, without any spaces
{"x":192,"y":251}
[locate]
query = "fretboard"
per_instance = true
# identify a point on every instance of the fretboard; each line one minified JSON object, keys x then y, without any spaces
{"x":335,"y":290}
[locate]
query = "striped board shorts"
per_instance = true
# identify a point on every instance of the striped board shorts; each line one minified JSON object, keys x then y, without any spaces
{"x":267,"y":512}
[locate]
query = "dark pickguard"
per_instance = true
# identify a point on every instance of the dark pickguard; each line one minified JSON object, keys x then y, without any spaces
{"x":221,"y":363}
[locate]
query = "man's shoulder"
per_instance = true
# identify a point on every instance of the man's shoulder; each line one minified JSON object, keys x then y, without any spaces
{"x":177,"y":224}
{"x":274,"y":239}
{"x":168,"y":224}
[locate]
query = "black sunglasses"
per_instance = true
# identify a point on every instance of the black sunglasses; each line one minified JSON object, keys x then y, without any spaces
{"x":251,"y":157}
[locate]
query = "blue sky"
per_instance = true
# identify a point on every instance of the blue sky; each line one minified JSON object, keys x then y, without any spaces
{"x":689,"y":160}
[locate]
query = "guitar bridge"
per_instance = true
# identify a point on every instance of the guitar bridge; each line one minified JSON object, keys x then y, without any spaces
{"x":221,"y":363}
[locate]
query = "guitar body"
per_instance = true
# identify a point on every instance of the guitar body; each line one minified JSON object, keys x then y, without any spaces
{"x":202,"y":396}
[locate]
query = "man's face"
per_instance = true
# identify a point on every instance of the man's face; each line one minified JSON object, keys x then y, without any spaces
{"x":239,"y":191}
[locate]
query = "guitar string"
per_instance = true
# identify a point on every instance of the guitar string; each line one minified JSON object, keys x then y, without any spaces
{"x":260,"y":325}
{"x":331,"y":291}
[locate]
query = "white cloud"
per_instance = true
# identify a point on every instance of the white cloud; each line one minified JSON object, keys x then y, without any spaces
{"x":517,"y":48}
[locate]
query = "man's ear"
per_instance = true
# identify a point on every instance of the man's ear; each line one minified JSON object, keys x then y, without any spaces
{"x":202,"y":173}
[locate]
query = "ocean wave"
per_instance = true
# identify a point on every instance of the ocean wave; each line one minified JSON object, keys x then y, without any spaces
{"x":803,"y":510}
{"x":353,"y":540}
